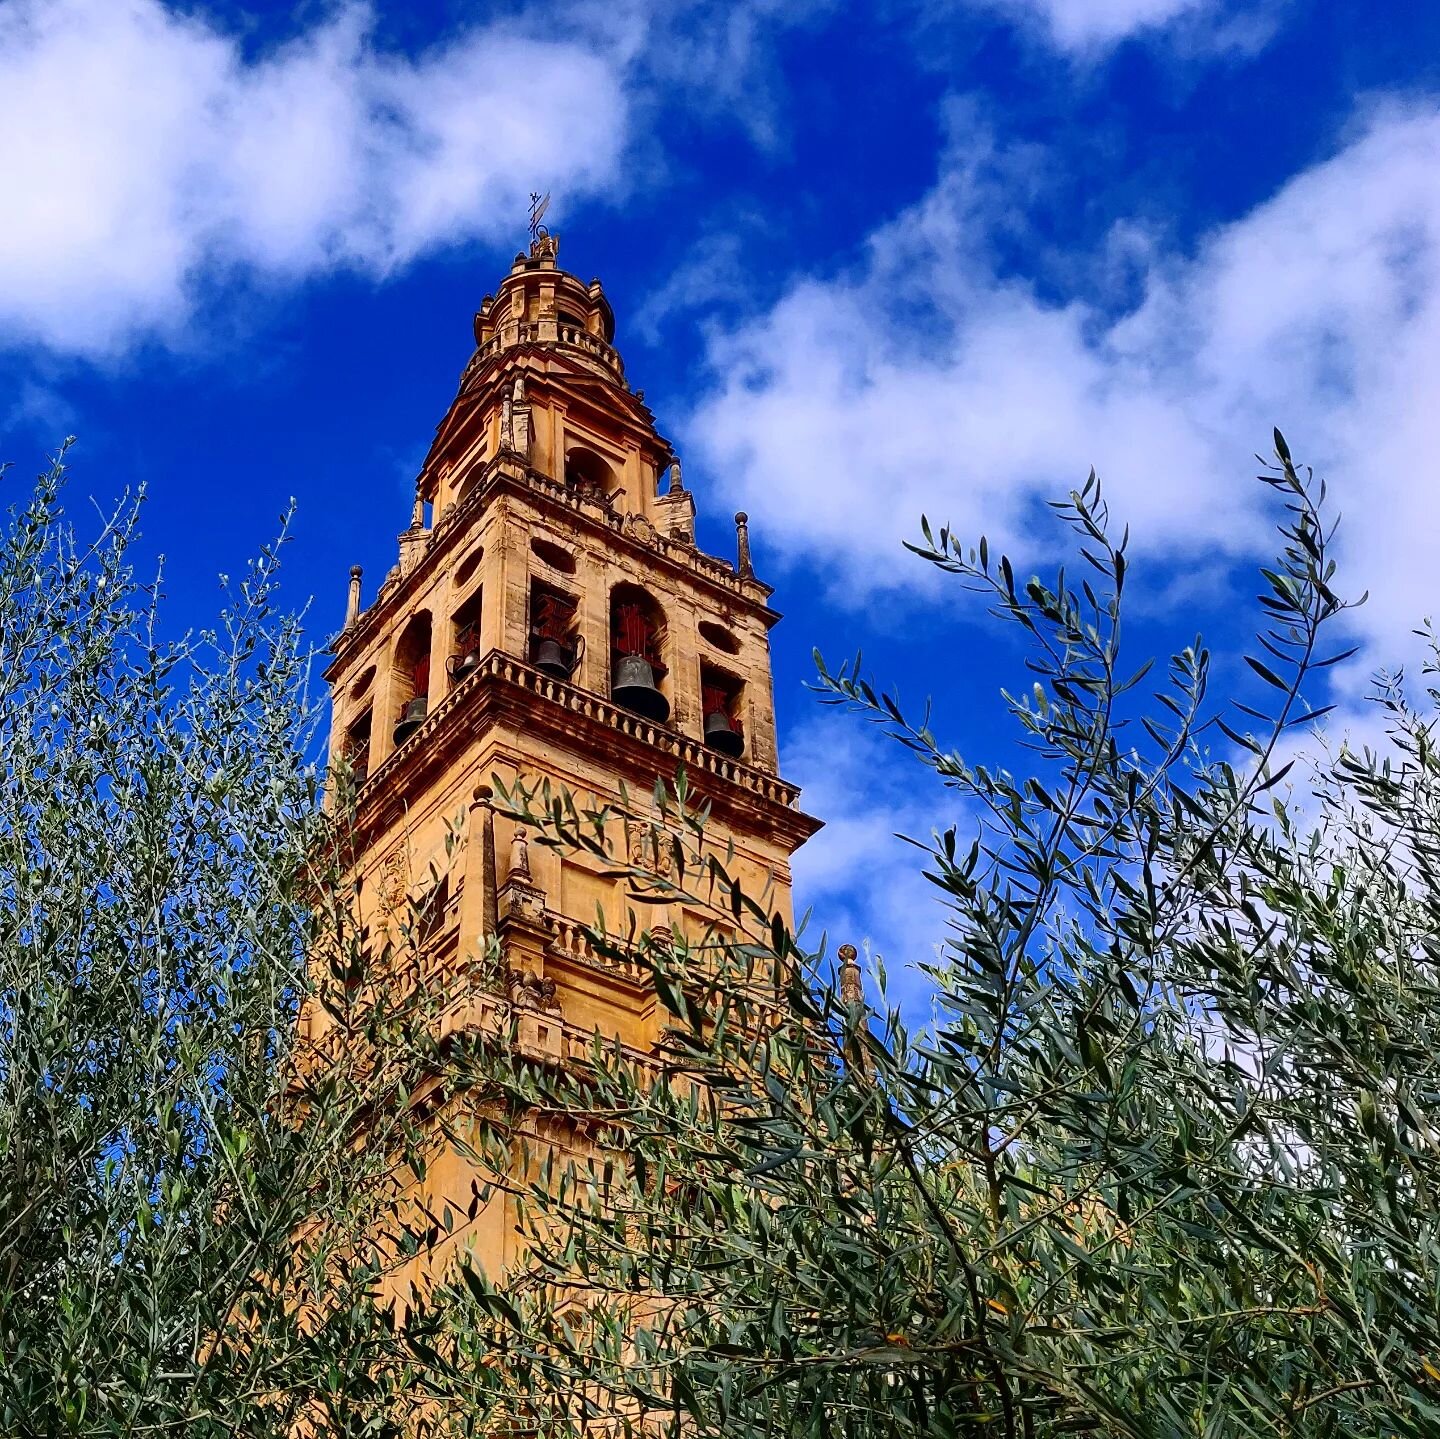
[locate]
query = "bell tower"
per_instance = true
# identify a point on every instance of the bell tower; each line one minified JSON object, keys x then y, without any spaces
{"x":550,"y":617}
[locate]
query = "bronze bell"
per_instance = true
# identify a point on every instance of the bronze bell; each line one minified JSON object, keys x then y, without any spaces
{"x":552,"y":657}
{"x":412,"y":719}
{"x":721,"y":734}
{"x":462,"y":666}
{"x":634,"y":688}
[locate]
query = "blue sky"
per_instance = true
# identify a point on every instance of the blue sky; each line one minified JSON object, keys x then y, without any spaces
{"x":867,"y":259}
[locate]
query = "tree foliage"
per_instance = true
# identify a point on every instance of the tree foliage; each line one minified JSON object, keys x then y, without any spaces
{"x":1163,"y":1163}
{"x":1166,"y":1161}
{"x":191,"y":1238}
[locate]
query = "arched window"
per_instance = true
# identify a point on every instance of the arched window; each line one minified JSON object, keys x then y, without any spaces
{"x":637,"y":652}
{"x":411,"y":675}
{"x":555,"y":642}
{"x":464,"y":657}
{"x":720,"y":707}
{"x":355,"y":749}
{"x":588,"y":474}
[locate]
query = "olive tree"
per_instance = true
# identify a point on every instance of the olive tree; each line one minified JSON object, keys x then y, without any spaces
{"x":1167,"y":1159}
{"x":199,"y":1212}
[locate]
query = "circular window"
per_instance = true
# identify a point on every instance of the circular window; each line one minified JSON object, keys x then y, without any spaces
{"x":468,"y":566}
{"x":554,"y":556}
{"x":719,"y":636}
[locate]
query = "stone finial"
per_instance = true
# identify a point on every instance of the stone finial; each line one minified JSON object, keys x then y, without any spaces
{"x":507,"y":423}
{"x":417,"y":511}
{"x":352,"y":605}
{"x":851,"y":990}
{"x":520,"y":857}
{"x":677,"y":480}
{"x":742,"y":538}
{"x":517,"y":394}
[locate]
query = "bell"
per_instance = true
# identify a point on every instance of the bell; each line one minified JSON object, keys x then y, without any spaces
{"x":412,"y":719}
{"x":462,"y":666}
{"x":721,"y":734}
{"x":552,"y":657}
{"x":634,"y":688}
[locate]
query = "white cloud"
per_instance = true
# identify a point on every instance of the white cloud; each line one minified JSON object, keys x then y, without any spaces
{"x":926,"y":381}
{"x":1088,"y":29}
{"x":146,"y":152}
{"x":1080,"y":24}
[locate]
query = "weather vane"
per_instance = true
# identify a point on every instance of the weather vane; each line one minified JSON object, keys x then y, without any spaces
{"x":538,"y":205}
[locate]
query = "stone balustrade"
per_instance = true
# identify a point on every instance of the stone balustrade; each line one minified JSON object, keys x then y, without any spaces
{"x":498,"y":666}
{"x":572,"y":940}
{"x":535,"y":332}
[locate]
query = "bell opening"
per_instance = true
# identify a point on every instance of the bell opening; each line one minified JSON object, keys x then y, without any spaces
{"x":720,"y":704}
{"x":412,"y":676}
{"x":554,"y":643}
{"x":465,"y":643}
{"x":637,"y":638}
{"x":412,"y":719}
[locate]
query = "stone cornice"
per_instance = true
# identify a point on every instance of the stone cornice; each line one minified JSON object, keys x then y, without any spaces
{"x":503,"y":688}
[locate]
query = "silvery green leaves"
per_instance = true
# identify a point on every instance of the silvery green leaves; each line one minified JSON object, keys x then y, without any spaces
{"x":167,"y":1145}
{"x":1166,"y":1160}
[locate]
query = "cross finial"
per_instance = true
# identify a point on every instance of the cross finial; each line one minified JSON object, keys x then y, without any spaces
{"x":538,"y":205}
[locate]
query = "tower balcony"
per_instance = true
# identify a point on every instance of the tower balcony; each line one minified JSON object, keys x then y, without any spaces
{"x":513,"y":333}
{"x":503,"y":684}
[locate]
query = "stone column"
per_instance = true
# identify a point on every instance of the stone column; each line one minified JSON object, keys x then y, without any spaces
{"x":352,"y":603}
{"x":478,"y":913}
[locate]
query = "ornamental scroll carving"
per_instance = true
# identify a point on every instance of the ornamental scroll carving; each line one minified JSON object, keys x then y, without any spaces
{"x":650,"y":847}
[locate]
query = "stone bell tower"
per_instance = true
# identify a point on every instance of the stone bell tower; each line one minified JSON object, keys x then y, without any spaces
{"x":551,"y":617}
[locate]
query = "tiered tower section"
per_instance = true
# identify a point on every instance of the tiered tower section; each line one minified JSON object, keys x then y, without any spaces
{"x":551,"y":617}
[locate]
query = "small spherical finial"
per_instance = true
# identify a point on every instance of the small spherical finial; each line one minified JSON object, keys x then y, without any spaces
{"x":851,"y":991}
{"x":482,"y":795}
{"x":356,"y":572}
{"x":742,"y":535}
{"x":352,"y":600}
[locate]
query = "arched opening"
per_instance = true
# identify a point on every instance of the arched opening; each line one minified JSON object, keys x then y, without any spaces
{"x":587,"y":474}
{"x":355,"y":749}
{"x":363,"y":683}
{"x":555,"y":642}
{"x":465,"y":483}
{"x":556,"y":556}
{"x":721,"y":694}
{"x":464,"y":657}
{"x":465,"y":571}
{"x":637,"y":652}
{"x":411,"y":677}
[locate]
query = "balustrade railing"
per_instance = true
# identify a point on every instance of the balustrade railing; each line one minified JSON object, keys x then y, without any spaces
{"x":526,"y":332}
{"x":696,"y":757}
